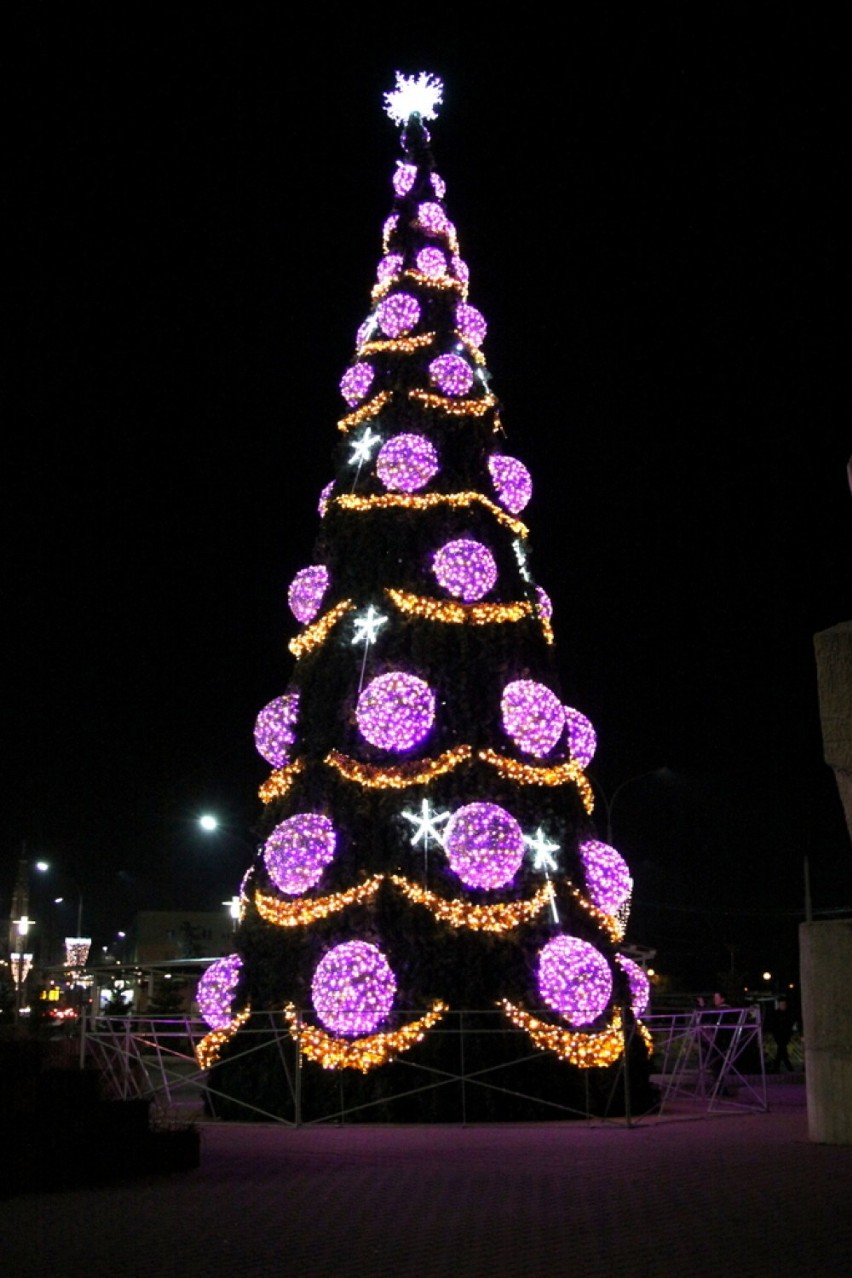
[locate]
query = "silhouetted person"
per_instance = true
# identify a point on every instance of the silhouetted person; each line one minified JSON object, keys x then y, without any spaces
{"x":781,"y":1022}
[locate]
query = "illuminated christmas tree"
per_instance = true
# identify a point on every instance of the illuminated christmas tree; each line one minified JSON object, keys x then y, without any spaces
{"x":427,"y":844}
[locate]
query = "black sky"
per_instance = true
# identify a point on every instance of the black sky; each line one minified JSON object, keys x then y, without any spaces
{"x":651,"y":210}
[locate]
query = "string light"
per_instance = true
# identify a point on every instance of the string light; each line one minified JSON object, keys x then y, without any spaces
{"x":583,"y":1050}
{"x":360,"y":1053}
{"x":611,"y":924}
{"x":530,"y":774}
{"x":425,"y":823}
{"x":441,"y":283}
{"x":319,"y":631}
{"x":277,"y":785}
{"x":400,"y":776}
{"x":424,"y":501}
{"x":398,"y":345}
{"x":207,"y":1051}
{"x":303,"y":912}
{"x":366,"y":412}
{"x":446,"y":610}
{"x":362,"y":448}
{"x":637,"y":980}
{"x":500,"y":917}
{"x":367,"y":626}
{"x":455,"y":407}
{"x":544,"y":861}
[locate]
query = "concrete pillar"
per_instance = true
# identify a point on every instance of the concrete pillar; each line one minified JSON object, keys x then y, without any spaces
{"x":826,"y":971}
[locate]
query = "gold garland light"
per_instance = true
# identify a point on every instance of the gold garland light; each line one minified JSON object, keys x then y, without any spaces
{"x":316,"y":633}
{"x":359,"y":1053}
{"x":454,"y":407}
{"x":501,"y":917}
{"x":583,"y":1050}
{"x":410,"y":501}
{"x":366,"y":412}
{"x":278,"y":783}
{"x":207,"y":1051}
{"x":309,"y":910}
{"x":532,"y":774}
{"x":448,"y":610}
{"x":399,"y":776}
{"x":611,"y":924}
{"x":397,"y":345}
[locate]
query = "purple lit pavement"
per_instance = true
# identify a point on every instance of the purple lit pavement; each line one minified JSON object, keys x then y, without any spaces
{"x":745,"y":1194}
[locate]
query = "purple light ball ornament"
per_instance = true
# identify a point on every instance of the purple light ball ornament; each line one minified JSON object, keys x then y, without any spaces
{"x":451,"y":374}
{"x":432,"y":263}
{"x":484,"y":845}
{"x":274,"y":729}
{"x":356,"y":382}
{"x":406,"y":463}
{"x":608,"y":880}
{"x":298,"y":850}
{"x":325,"y":498}
{"x":389,"y":267}
{"x":398,"y":314}
{"x":389,"y":226}
{"x":545,"y":604}
{"x":465,"y":568}
{"x":512,"y":481}
{"x":574,"y":979}
{"x":533,"y":716}
{"x":306,"y":592}
{"x":582,"y":738}
{"x":432,"y":219}
{"x":637,"y":980}
{"x":353,"y":988}
{"x":470,"y":324}
{"x":214,"y":993}
{"x":404,"y":178}
{"x":438,"y":185}
{"x":461,"y":270}
{"x":396,"y":711}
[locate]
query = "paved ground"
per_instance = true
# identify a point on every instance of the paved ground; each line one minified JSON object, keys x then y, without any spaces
{"x":746,"y":1193}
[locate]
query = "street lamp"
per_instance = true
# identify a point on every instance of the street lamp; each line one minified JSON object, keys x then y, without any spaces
{"x":211,"y":824}
{"x":609,"y":800}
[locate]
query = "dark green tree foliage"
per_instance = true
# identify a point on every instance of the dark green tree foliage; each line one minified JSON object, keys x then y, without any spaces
{"x":375,"y":538}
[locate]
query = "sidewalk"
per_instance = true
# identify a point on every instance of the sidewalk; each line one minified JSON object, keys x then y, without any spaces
{"x":746,"y":1194}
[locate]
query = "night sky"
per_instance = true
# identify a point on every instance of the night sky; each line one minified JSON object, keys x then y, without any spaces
{"x":650,"y":208}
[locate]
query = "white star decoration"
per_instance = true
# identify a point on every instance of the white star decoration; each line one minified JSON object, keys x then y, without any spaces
{"x":362,"y":447}
{"x":426,"y":823}
{"x":367,"y":626}
{"x":414,"y":95}
{"x":544,"y":860}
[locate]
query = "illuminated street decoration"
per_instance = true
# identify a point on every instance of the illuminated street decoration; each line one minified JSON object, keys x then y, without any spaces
{"x":21,"y":965}
{"x":389,"y":267}
{"x":214,"y":993}
{"x":419,"y":95}
{"x":306,"y":592}
{"x":484,"y":845}
{"x":608,"y":880}
{"x":362,"y":447}
{"x":274,"y":729}
{"x":533,"y":716}
{"x":460,"y":270}
{"x":353,"y":988}
{"x":325,"y":497}
{"x":407,"y":462}
{"x":298,"y":850}
{"x":77,"y":952}
{"x":426,"y":823}
{"x":637,"y":980}
{"x":366,"y":626}
{"x":404,"y":177}
{"x":582,"y":738}
{"x":512,"y":482}
{"x":432,"y":219}
{"x":465,"y":568}
{"x":396,"y":711}
{"x":364,"y":1053}
{"x":574,"y":979}
{"x":356,"y":382}
{"x":471,"y":324}
{"x":398,"y":314}
{"x":451,"y":374}
{"x":545,"y":605}
{"x":432,"y":262}
{"x":544,"y":861}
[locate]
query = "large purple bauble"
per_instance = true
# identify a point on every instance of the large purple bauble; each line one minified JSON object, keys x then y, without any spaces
{"x":406,"y":463}
{"x":396,"y":711}
{"x":306,"y":591}
{"x":608,"y":880}
{"x":390,"y":265}
{"x":484,"y":845}
{"x":533,"y":716}
{"x":432,"y":262}
{"x":465,"y":568}
{"x":274,"y":729}
{"x":451,"y":374}
{"x":214,"y":993}
{"x":355,"y":383}
{"x":353,"y":988}
{"x":298,"y":850}
{"x":582,"y":738}
{"x":432,"y":219}
{"x":398,"y":314}
{"x":511,"y":480}
{"x":637,"y":979}
{"x":404,"y":178}
{"x":574,"y":979}
{"x":471,"y":324}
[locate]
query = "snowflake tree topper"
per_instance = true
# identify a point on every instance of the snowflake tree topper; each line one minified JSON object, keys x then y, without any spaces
{"x":414,"y":95}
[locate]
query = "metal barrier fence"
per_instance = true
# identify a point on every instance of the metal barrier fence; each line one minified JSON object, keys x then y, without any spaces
{"x":712,"y":1059}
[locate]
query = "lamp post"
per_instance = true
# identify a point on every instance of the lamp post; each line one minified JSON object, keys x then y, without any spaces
{"x":211,"y":824}
{"x":609,"y":800}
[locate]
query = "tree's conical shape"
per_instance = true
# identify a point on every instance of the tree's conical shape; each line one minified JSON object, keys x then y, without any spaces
{"x":427,"y":843}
